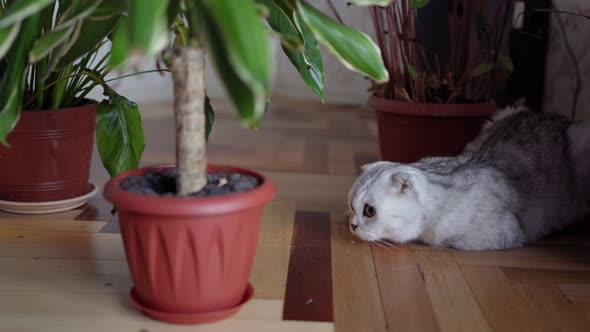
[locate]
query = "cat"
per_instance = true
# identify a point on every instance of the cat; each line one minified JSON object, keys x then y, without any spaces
{"x":526,"y":174}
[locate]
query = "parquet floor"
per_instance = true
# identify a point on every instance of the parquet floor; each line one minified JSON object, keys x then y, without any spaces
{"x":67,"y":271}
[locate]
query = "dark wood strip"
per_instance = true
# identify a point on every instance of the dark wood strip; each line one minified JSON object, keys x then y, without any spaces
{"x":308,"y":295}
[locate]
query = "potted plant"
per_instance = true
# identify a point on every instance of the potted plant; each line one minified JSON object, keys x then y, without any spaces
{"x":49,"y":62}
{"x":190,"y":230}
{"x":428,"y":108}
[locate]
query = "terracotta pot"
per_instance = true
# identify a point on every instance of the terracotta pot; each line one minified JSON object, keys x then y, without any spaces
{"x":190,"y":258}
{"x":411,"y":131}
{"x":50,"y":154}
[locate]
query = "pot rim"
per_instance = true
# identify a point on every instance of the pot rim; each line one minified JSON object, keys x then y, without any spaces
{"x":189,"y":206}
{"x":432,"y":109}
{"x":90,"y":103}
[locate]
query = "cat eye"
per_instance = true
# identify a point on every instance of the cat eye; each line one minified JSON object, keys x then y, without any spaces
{"x":368,"y":211}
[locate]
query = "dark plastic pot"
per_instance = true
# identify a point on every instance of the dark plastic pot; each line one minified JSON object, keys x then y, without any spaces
{"x":50,"y":154}
{"x":411,"y":131}
{"x":190,"y":258}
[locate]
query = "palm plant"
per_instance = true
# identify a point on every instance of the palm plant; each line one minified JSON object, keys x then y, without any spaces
{"x":233,"y":33}
{"x":50,"y":59}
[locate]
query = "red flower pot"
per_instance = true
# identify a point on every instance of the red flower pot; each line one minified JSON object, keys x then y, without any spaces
{"x":50,"y":154}
{"x":411,"y":131}
{"x":190,"y":258}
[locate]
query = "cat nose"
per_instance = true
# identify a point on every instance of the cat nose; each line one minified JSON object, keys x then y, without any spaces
{"x":354,"y":226}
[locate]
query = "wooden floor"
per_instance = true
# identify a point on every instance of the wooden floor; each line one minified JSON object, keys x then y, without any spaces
{"x":67,"y":271}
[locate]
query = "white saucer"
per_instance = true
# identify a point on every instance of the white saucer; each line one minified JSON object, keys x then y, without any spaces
{"x":48,"y":207}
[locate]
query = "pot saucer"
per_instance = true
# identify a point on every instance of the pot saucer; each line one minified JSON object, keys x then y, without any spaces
{"x":49,"y":207}
{"x":192,"y":318}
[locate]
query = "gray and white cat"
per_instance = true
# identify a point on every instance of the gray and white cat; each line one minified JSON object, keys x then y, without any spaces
{"x":527,"y":174}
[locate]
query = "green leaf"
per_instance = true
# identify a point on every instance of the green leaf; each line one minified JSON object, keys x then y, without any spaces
{"x":261,"y":9}
{"x":482,"y":69}
{"x":506,"y":63}
{"x":77,"y":11}
{"x":18,"y":10}
{"x":413,"y":72}
{"x":290,"y":42}
{"x":63,"y":48}
{"x":209,"y":118}
{"x":48,"y":42}
{"x":245,"y":40}
{"x":95,"y":28}
{"x":281,"y":18}
{"x":147,"y":26}
{"x":382,"y":3}
{"x":172,"y":11}
{"x":246,"y":100}
{"x":109,"y":8}
{"x":119,"y":135}
{"x":309,"y":63}
{"x":287,"y":6}
{"x":354,"y":49}
{"x":120,"y":43}
{"x":13,"y":82}
{"x":312,"y":70}
{"x":417,"y":4}
{"x":7,"y":36}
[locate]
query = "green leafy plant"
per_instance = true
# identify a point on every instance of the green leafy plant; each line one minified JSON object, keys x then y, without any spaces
{"x":234,"y":34}
{"x":50,"y":59}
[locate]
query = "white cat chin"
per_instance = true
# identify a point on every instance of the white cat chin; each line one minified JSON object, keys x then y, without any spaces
{"x":378,"y":236}
{"x":399,"y":235}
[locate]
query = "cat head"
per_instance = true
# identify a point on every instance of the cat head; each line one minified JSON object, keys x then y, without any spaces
{"x":383,"y":203}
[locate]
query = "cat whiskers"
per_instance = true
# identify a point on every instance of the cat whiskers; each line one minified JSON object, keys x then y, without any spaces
{"x":380,"y":244}
{"x":384,"y":244}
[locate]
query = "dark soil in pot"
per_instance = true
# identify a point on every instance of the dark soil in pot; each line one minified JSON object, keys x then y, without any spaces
{"x":163,"y":183}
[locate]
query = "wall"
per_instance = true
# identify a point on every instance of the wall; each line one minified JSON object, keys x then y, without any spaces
{"x":560,"y":79}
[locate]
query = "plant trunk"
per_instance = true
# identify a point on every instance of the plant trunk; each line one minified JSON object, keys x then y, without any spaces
{"x":188,"y":74}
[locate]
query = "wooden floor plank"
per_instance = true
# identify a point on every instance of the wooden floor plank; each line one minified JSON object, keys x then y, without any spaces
{"x":229,"y":325}
{"x":453,"y":302}
{"x":341,"y":161}
{"x":403,"y":291}
{"x":79,"y":311}
{"x":312,"y":192}
{"x":584,"y":308}
{"x":357,"y":303}
{"x":269,"y":273}
{"x":56,"y":225}
{"x":24,"y":243}
{"x":541,"y":257}
{"x":503,"y":306}
{"x":557,"y":312}
{"x":518,"y":273}
{"x":579,"y":293}
{"x":64,"y":275}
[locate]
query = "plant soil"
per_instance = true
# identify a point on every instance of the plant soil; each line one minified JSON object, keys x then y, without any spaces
{"x":163,"y":183}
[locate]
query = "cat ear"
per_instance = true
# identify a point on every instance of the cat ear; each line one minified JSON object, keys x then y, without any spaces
{"x":366,"y":167}
{"x":401,"y":182}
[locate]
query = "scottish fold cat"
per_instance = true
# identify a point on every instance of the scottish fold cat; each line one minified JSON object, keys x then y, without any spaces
{"x":527,"y":174}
